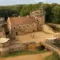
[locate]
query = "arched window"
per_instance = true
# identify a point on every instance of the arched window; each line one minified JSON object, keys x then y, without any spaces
{"x":16,"y":33}
{"x":33,"y":30}
{"x":14,"y":27}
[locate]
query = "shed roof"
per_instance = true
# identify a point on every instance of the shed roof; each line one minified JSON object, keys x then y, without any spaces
{"x":3,"y":40}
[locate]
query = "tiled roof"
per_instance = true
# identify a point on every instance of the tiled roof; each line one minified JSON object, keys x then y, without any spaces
{"x":21,"y":20}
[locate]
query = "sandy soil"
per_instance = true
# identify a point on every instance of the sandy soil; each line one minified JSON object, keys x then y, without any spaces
{"x":37,"y":37}
{"x":29,"y":57}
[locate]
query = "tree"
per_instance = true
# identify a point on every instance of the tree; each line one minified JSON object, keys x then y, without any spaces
{"x":56,"y":14}
{"x":48,"y":10}
{"x":25,"y":10}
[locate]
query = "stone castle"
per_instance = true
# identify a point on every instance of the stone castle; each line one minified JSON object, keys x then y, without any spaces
{"x":26,"y":24}
{"x":20,"y":26}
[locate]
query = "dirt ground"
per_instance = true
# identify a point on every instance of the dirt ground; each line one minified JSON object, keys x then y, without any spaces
{"x":36,"y":36}
{"x":29,"y":57}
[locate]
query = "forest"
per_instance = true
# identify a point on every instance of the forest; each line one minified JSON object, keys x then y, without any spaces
{"x":52,"y":11}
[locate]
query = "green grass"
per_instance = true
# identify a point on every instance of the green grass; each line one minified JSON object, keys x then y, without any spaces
{"x":23,"y":52}
{"x":54,"y":56}
{"x":50,"y":58}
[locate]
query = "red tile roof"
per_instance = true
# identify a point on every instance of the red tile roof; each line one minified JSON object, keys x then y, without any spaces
{"x":21,"y":20}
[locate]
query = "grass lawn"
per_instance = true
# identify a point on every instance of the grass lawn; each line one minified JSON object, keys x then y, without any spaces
{"x":22,"y":52}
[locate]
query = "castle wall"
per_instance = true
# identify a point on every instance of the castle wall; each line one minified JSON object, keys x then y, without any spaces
{"x":40,"y":22}
{"x":25,"y":28}
{"x":9,"y":25}
{"x":4,"y":51}
{"x":4,"y":48}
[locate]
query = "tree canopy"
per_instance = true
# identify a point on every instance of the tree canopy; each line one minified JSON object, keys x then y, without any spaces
{"x":52,"y":11}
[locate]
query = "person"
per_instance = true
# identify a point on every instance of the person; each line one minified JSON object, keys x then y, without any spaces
{"x":33,"y":36}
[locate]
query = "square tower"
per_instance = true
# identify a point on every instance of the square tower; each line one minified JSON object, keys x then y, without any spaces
{"x":39,"y":17}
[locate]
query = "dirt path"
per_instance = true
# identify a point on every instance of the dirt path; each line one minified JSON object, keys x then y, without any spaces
{"x":29,"y":57}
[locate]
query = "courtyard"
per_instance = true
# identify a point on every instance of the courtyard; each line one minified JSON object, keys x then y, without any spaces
{"x":34,"y":37}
